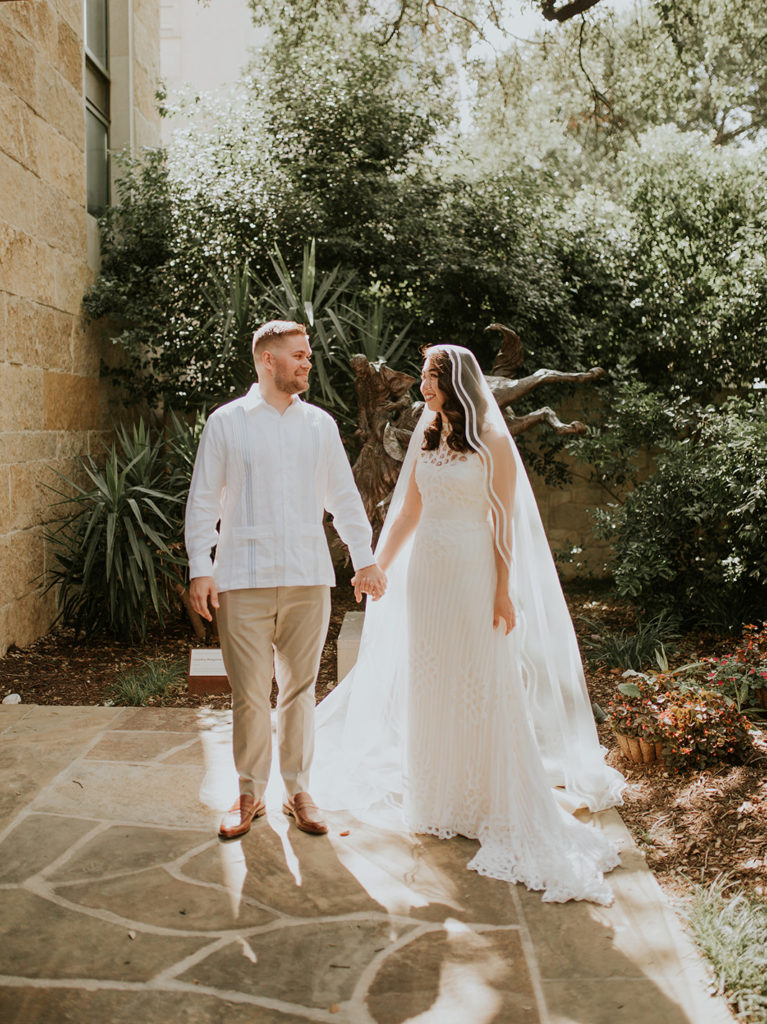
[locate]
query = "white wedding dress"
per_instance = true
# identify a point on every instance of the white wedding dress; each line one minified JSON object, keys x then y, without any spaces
{"x":473,"y":767}
{"x":463,"y":758}
{"x":448,"y":726}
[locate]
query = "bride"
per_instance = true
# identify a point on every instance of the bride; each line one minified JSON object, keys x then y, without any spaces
{"x":467,"y":710}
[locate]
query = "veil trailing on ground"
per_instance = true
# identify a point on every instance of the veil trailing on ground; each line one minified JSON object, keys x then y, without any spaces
{"x":362,"y":724}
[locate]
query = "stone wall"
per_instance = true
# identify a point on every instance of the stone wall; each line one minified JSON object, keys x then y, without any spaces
{"x":53,"y":405}
{"x":567,"y":511}
{"x":569,"y":524}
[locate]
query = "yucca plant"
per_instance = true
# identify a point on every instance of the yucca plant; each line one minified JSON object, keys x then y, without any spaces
{"x":309,"y":302}
{"x":233,"y":322}
{"x":342,"y":325}
{"x":113,"y":563}
{"x":182,"y":440}
{"x":366,"y":329}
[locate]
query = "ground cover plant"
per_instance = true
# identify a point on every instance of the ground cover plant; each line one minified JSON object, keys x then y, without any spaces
{"x":637,"y":648}
{"x":151,"y":678}
{"x":731,"y":929}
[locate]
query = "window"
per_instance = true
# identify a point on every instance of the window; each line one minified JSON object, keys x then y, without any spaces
{"x":97,"y":105}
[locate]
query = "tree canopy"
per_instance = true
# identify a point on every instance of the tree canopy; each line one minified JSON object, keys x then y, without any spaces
{"x":404,"y":175}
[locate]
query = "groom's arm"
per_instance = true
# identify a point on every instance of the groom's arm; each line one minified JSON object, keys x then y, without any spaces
{"x":203,"y":511}
{"x":343,"y":502}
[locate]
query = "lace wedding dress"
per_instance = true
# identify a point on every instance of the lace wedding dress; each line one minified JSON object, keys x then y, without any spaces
{"x":472,"y":766}
{"x":462,"y":759}
{"x":448,"y":726}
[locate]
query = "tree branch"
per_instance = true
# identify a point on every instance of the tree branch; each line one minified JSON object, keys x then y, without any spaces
{"x":506,"y":391}
{"x":519,"y":424}
{"x":598,"y":96}
{"x":722,"y":137}
{"x":397,"y":23}
{"x":456,"y":14}
{"x":553,"y":13}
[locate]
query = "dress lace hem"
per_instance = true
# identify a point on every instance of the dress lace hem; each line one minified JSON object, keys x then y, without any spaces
{"x":575,"y":874}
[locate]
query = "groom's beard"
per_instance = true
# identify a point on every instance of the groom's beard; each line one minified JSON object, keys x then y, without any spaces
{"x":291,"y":385}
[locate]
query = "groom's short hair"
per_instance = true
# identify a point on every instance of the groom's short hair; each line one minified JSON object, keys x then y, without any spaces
{"x":274,"y":330}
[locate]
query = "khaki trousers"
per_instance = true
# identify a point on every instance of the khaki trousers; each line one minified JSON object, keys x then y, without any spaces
{"x":280,"y":630}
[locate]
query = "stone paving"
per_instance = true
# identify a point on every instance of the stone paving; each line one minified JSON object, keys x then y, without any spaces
{"x":118,"y":905}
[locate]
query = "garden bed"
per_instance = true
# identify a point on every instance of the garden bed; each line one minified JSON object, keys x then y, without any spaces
{"x":56,"y":670}
{"x":690,"y":826}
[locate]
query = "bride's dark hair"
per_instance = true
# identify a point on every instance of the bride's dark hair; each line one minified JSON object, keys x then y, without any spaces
{"x":458,"y":438}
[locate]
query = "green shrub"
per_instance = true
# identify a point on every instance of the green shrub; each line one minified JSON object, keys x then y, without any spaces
{"x":181,"y":441}
{"x":194,"y":226}
{"x":690,"y":538}
{"x":697,"y":252}
{"x":115,"y":544}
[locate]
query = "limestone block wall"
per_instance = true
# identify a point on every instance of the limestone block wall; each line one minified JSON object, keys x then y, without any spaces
{"x":566,"y":511}
{"x":568,"y":522}
{"x":53,"y":405}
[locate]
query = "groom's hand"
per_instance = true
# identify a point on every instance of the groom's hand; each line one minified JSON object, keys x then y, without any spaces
{"x":370,"y":580}
{"x":202,"y":589}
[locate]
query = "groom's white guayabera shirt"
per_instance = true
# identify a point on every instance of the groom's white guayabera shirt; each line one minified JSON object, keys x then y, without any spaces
{"x":266,"y":478}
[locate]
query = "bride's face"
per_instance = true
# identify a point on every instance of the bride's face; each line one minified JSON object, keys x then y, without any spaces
{"x":433,"y":397}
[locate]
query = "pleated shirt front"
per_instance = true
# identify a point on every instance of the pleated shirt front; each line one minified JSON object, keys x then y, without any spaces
{"x":266,"y":478}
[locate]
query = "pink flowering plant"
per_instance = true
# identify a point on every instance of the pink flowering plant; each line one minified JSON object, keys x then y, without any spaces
{"x":700,"y":728}
{"x":634,"y":709}
{"x":743,"y":674}
{"x":696,"y":726}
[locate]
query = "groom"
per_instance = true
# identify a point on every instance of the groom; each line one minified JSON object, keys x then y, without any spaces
{"x":267,"y":467}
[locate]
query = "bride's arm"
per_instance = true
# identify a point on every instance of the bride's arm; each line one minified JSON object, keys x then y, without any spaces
{"x":403,"y":525}
{"x":503,"y":479}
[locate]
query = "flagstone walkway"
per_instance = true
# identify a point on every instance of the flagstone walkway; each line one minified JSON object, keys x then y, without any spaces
{"x":118,"y":904}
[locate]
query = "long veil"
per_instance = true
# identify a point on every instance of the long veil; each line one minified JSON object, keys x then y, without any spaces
{"x":362,"y":724}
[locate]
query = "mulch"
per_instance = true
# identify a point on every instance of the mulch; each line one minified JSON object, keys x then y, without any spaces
{"x":691,"y":827}
{"x":60,"y":669}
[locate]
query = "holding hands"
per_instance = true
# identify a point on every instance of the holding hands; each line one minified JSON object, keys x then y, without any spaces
{"x":370,"y":580}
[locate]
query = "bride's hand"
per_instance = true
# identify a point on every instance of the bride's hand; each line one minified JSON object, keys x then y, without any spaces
{"x":504,"y":609}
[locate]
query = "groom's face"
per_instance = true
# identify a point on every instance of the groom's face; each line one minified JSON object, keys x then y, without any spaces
{"x":291,"y":361}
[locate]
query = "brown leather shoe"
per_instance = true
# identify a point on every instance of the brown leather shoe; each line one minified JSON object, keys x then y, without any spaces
{"x":238,"y":819}
{"x":304,"y":810}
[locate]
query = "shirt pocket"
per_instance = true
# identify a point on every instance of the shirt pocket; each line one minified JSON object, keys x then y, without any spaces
{"x":258,"y":546}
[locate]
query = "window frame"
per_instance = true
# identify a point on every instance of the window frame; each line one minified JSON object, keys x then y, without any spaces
{"x":98,"y":98}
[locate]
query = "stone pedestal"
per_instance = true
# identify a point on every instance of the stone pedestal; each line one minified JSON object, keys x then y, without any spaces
{"x":206,"y":671}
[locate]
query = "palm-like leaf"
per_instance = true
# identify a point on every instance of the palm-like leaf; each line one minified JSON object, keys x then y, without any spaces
{"x":311,"y":302}
{"x":113,"y":545}
{"x":231,"y":300}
